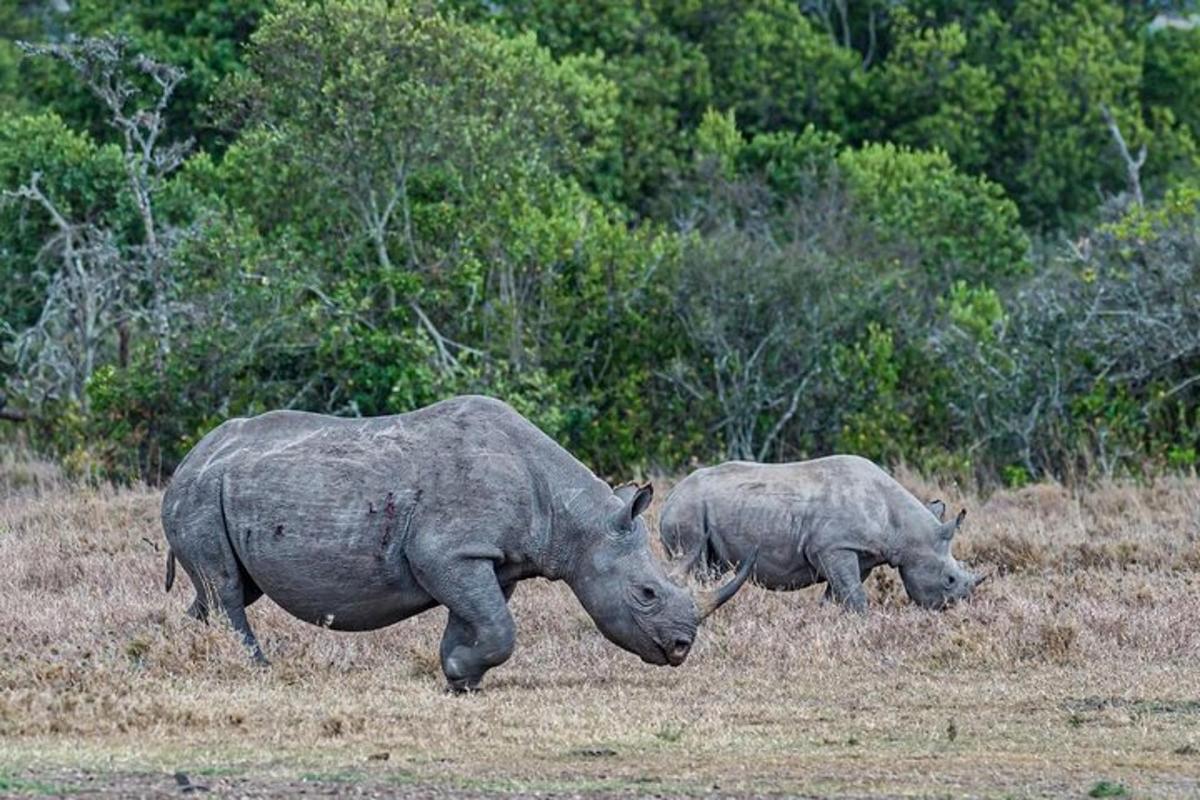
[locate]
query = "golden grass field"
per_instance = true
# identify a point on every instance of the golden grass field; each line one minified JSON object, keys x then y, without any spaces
{"x":1076,"y":670}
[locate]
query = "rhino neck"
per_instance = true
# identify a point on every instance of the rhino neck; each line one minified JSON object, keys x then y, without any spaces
{"x":901,"y":548}
{"x":566,"y":520}
{"x":888,"y":550}
{"x":914,"y":529}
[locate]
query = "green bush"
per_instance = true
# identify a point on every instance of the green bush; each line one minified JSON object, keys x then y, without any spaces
{"x":964,"y":227}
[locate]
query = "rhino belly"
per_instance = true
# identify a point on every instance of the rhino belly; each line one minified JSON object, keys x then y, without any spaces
{"x":342,"y":591}
{"x":775,"y":532}
{"x":335,"y":564}
{"x":783,"y":579}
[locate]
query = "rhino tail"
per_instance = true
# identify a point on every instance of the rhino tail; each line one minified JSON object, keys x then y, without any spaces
{"x":170,"y":581}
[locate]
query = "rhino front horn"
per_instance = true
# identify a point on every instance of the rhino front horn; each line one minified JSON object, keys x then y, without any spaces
{"x":709,"y":601}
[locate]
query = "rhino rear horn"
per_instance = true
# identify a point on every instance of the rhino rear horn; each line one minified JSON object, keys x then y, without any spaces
{"x":710,"y":600}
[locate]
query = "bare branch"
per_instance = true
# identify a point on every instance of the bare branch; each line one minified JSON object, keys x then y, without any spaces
{"x":444,"y":344}
{"x":783,"y":420}
{"x":1133,"y":166}
{"x":95,"y":285}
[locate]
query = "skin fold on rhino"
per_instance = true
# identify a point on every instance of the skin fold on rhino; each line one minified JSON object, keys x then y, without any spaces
{"x":355,"y":524}
{"x":831,"y":519}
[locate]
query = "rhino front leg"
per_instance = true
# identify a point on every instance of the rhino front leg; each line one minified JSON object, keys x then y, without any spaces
{"x":864,"y":572}
{"x":460,"y":650}
{"x":480,"y":633}
{"x":843,"y":573}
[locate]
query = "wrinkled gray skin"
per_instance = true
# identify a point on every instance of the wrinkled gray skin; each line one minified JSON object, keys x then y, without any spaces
{"x":355,"y":524}
{"x":830,"y":519}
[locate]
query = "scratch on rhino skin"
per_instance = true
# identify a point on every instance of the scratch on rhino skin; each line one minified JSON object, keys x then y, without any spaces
{"x":568,"y":498}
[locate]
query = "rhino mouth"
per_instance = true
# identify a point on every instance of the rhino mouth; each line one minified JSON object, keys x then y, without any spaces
{"x":676,"y":653}
{"x":661,"y":657}
{"x":667,"y":648}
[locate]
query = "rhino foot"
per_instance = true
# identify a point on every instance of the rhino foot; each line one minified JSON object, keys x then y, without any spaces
{"x":462,"y":689}
{"x":198,"y":611}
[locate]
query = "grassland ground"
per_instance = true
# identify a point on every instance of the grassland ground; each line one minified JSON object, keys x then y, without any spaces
{"x":1075,"y":670}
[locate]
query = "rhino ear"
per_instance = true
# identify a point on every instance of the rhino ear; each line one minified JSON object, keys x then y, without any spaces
{"x":938,"y":508}
{"x":635,"y":499}
{"x":626,"y":491}
{"x":951,"y":528}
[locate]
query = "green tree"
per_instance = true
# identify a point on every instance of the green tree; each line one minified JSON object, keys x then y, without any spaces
{"x":84,"y":181}
{"x":572,"y":301}
{"x":770,"y":64}
{"x":928,"y":95}
{"x":1059,"y":65}
{"x":1171,"y":75}
{"x":399,"y":117}
{"x":663,"y":83}
{"x":963,"y":226}
{"x":203,"y":38}
{"x":1079,"y":377}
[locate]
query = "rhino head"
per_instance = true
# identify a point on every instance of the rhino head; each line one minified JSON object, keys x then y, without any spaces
{"x":626,"y":591}
{"x":933,"y":577}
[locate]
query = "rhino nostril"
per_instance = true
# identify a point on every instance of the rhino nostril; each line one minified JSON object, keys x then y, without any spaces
{"x":682,"y":646}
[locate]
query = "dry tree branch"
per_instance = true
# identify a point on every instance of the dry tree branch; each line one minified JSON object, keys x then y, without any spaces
{"x":93,"y":282}
{"x":1133,"y":166}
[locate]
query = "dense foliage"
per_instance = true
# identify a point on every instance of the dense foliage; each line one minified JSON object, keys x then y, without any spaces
{"x":963,"y":235}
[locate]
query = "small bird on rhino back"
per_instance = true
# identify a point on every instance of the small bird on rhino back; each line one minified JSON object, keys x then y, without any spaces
{"x":831,"y":519}
{"x":354,"y":524}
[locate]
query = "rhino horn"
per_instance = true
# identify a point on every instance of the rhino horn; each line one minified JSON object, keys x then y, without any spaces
{"x":710,"y":600}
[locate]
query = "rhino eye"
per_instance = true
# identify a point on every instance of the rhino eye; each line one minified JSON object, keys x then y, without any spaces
{"x":649,"y":594}
{"x":950,"y":579}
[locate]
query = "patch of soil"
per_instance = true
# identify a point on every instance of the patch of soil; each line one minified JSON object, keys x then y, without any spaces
{"x":82,"y":784}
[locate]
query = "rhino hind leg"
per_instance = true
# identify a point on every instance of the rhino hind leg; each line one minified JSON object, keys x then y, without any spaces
{"x":202,"y":546}
{"x":206,"y":597}
{"x":198,"y":610}
{"x":231,"y":596}
{"x":237,"y":618}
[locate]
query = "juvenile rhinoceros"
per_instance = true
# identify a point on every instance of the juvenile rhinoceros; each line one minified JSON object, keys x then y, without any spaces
{"x":355,"y":524}
{"x":830,"y":519}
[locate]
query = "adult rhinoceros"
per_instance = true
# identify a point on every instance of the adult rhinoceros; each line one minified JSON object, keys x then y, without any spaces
{"x":831,"y":519}
{"x":355,"y":524}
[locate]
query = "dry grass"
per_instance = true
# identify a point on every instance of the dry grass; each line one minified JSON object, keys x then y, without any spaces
{"x":1079,"y":663}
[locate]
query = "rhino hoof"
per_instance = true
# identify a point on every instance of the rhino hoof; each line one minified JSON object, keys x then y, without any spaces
{"x":462,"y":688}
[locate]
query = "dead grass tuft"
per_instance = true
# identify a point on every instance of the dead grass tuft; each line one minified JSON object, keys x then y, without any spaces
{"x":22,"y":473}
{"x":1056,"y":641}
{"x":1007,"y":551}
